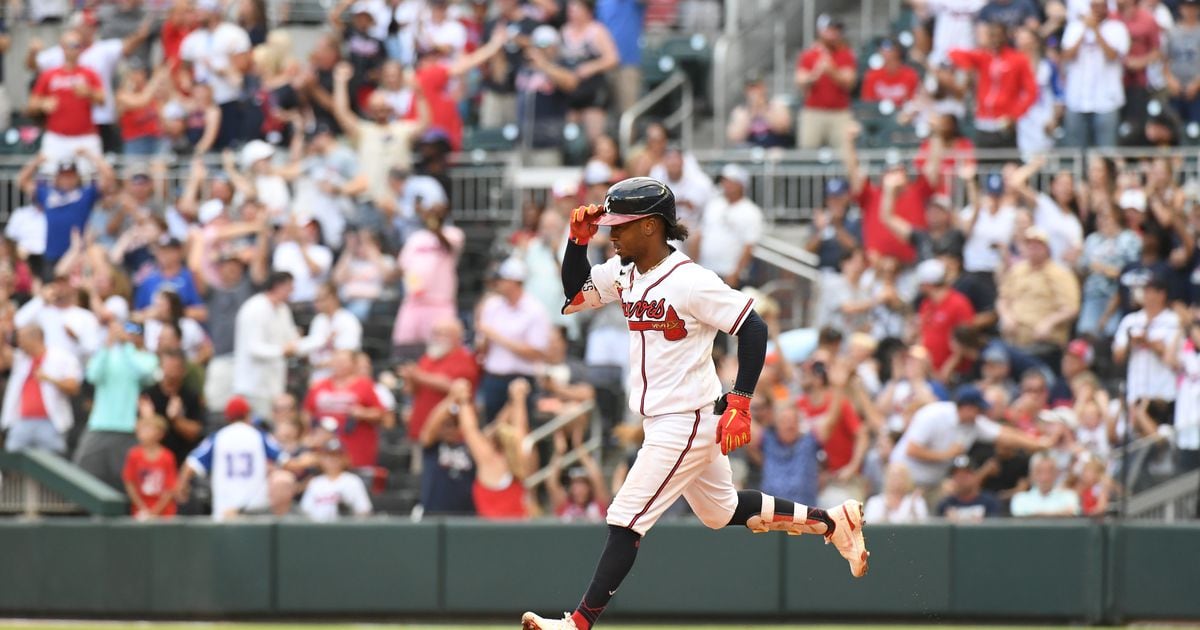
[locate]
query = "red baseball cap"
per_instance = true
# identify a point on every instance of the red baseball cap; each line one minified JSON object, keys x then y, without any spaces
{"x":1081,"y":349}
{"x":237,"y":408}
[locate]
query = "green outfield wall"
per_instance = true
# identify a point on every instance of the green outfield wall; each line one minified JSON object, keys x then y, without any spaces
{"x":1007,"y":570}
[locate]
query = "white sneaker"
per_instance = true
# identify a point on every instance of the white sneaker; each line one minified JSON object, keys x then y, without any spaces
{"x":530,"y":621}
{"x":848,"y":537}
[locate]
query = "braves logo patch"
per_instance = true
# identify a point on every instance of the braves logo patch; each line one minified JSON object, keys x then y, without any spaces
{"x":662,"y":318}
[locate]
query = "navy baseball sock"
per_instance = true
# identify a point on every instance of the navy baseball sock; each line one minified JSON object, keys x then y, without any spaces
{"x":619,"y":553}
{"x":750,"y":505}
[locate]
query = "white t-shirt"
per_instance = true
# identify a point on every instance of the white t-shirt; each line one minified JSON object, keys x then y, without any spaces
{"x":101,"y":57}
{"x":236,"y":458}
{"x":210,"y":51}
{"x":1094,"y":84}
{"x":726,"y":229}
{"x":27,"y":228}
{"x":1063,"y":228}
{"x":1148,"y":376}
{"x":954,"y":26}
{"x":912,"y":509}
{"x":936,"y":427}
{"x":673,"y":314}
{"x":990,"y":229}
{"x":288,"y":257}
{"x":346,"y":331}
{"x":692,"y":191}
{"x":323,"y":496}
{"x":1033,"y":503}
{"x":193,"y":336}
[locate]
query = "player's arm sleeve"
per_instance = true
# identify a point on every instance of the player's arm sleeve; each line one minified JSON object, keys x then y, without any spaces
{"x":584,"y":286}
{"x":200,"y":459}
{"x":752,"y":352}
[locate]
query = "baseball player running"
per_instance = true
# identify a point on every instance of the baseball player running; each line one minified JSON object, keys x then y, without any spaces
{"x":675,"y":308}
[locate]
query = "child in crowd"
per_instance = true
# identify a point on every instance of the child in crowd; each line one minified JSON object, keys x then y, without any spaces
{"x":335,"y":493}
{"x":149,"y":473}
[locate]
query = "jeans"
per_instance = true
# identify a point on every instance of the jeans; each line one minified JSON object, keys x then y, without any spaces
{"x":1089,"y":317}
{"x":145,"y":146}
{"x":1189,"y":111}
{"x":360,"y":308}
{"x":1086,"y":130}
{"x":28,"y":434}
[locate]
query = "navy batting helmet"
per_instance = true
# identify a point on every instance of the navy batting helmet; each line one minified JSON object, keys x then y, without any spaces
{"x":637,"y":198}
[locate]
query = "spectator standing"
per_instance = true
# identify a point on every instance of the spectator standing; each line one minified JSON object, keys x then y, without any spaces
{"x":37,"y":398}
{"x":1183,"y":62}
{"x":624,"y":20}
{"x":139,"y":104}
{"x":498,"y":104}
{"x":301,"y":255}
{"x":5,"y":105}
{"x":789,"y":455}
{"x":940,"y":233}
{"x":447,"y":469}
{"x":760,"y":121}
{"x":513,"y":334}
{"x":125,"y":18}
{"x":1036,"y":129}
{"x":150,"y":469}
{"x":66,"y":94}
{"x":1046,"y":497}
{"x":329,"y":183}
{"x":942,"y":310}
{"x":826,"y":410}
{"x":1039,"y":298}
{"x":1093,"y":52}
{"x":445,"y":360}
{"x":894,"y":81}
{"x":238,"y":459}
{"x":264,"y":337}
{"x":589,"y":52}
{"x":64,"y":323}
{"x":118,"y":372}
{"x":66,"y":201}
{"x":1005,"y":85}
{"x":1106,"y":252}
{"x":177,"y":402}
{"x":335,"y":492}
{"x":1011,"y":13}
{"x":1146,"y":338}
{"x":731,"y":226}
{"x":383,"y":143}
{"x":360,"y":272}
{"x":953,"y":27}
{"x":1187,"y":400}
{"x":1145,"y":42}
{"x":967,"y":503}
{"x":429,"y":264}
{"x":217,"y":53}
{"x":500,"y":460}
{"x":332,"y":329}
{"x":898,"y":503}
{"x":834,"y":232}
{"x":989,"y":223}
{"x":825,"y":74}
{"x":692,"y":187}
{"x":349,"y":399}
{"x":170,"y":274}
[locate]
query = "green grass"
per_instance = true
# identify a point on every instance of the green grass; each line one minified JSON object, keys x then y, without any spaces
{"x":202,"y":625}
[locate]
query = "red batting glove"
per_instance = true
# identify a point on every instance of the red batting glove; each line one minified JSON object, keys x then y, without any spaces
{"x":733,"y":429}
{"x":583,"y":223}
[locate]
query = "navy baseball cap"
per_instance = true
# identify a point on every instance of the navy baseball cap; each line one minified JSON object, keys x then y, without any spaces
{"x":970,"y":395}
{"x":836,"y":186}
{"x":994,"y":184}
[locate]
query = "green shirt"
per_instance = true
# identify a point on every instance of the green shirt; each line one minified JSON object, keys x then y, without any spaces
{"x":119,"y":373}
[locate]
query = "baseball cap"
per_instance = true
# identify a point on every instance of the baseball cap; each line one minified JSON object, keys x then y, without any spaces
{"x":969,"y":395}
{"x":166,"y":240}
{"x":134,"y":328}
{"x":993,"y":184}
{"x":826,"y":20}
{"x":1157,"y":282}
{"x":67,"y":166}
{"x":994,"y":353}
{"x":735,"y":173}
{"x":544,"y":36}
{"x":511,"y":269}
{"x":1134,"y":198}
{"x":210,"y":210}
{"x":836,"y":186}
{"x":237,"y":408}
{"x":932,"y":271}
{"x":1082,"y":350}
{"x":597,"y":173}
{"x":962,"y":462}
{"x":1036,"y":233}
{"x":254,"y":151}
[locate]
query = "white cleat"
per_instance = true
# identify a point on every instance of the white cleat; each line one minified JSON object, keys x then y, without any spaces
{"x":848,"y":537}
{"x":530,"y":621}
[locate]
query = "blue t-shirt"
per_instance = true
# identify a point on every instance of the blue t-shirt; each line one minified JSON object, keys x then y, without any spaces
{"x":624,"y":19}
{"x":790,"y":471}
{"x":447,"y":476}
{"x":66,"y":210}
{"x":182,"y":284}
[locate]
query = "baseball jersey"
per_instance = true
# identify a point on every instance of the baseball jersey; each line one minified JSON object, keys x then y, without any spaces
{"x":674,"y":313}
{"x":236,"y":458}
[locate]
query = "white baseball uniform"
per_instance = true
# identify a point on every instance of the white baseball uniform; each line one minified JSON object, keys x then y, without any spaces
{"x":674,"y":312}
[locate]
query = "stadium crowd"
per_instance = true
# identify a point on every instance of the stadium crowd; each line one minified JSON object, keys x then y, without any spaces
{"x":963,"y":362}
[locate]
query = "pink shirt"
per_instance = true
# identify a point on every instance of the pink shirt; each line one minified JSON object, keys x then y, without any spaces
{"x":430,"y":270}
{"x":526,"y":322}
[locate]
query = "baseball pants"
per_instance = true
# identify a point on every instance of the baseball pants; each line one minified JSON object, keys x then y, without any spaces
{"x":680,"y":456}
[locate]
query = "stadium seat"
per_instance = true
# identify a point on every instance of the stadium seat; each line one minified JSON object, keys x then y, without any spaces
{"x":491,"y":138}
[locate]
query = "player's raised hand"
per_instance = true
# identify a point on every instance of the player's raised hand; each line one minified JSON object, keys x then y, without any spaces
{"x":733,"y":428}
{"x":583,"y":223}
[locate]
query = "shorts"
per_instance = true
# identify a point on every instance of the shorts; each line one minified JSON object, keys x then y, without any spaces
{"x":680,"y":457}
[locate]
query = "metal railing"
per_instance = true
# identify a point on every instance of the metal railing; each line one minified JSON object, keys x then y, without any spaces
{"x":1172,"y":500}
{"x":681,"y":118}
{"x":547,"y":431}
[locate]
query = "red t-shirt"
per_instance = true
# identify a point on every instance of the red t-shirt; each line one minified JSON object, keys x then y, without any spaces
{"x":839,"y":446}
{"x":825,"y":93}
{"x":910,"y":206}
{"x":151,"y":478}
{"x":32,"y":405}
{"x":881,"y":84}
{"x":1143,"y":39}
{"x":140,"y":123}
{"x":938,"y":320}
{"x":361,"y":439}
{"x":961,"y":151}
{"x":73,"y":116}
{"x":459,"y":363}
{"x":506,"y":504}
{"x":443,"y":110}
{"x":172,"y":38}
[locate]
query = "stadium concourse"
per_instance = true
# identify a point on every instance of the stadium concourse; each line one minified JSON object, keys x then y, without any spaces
{"x":244,"y":228}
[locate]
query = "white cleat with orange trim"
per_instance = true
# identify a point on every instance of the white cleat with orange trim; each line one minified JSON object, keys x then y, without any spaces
{"x":848,"y":537}
{"x":530,"y":621}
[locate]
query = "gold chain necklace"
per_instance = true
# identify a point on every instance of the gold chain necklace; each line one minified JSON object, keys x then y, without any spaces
{"x":656,"y":265}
